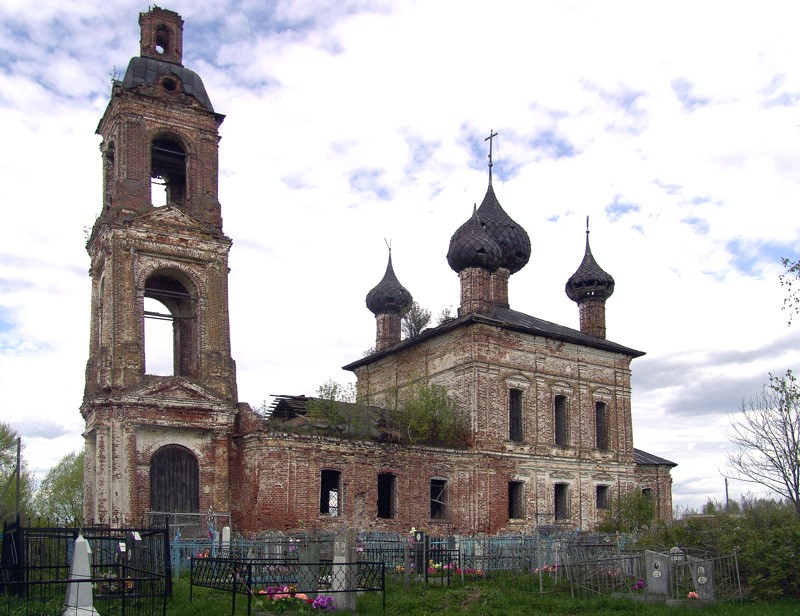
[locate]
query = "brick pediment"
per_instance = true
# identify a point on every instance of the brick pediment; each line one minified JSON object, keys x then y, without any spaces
{"x":167,"y":216}
{"x":176,"y":390}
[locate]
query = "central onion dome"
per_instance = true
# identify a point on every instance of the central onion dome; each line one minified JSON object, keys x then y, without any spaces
{"x":507,"y":235}
{"x":389,"y":296}
{"x":471,"y":246}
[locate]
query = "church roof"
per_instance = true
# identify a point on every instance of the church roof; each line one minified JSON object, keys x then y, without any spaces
{"x":504,"y":318}
{"x":648,"y":459}
{"x":147,"y":70}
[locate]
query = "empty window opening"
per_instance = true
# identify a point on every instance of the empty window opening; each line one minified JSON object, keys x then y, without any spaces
{"x":601,"y":494}
{"x":515,"y":415}
{"x":438,"y":499}
{"x":516,"y":500}
{"x":167,"y":173}
{"x":330,"y":490}
{"x":601,"y":426}
{"x":647,"y":492}
{"x":561,"y":502}
{"x":158,"y":339}
{"x":109,"y":174}
{"x":560,"y":420}
{"x":174,"y":480}
{"x":162,"y":39}
{"x":170,"y":327}
{"x":387,"y":495}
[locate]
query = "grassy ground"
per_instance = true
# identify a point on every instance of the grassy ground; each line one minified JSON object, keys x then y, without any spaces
{"x":478,"y":599}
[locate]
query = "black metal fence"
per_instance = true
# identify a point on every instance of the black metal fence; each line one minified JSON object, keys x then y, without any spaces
{"x":268,"y":580}
{"x":129,"y":569}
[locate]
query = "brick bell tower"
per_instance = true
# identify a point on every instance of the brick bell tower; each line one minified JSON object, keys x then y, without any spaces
{"x":158,"y":443}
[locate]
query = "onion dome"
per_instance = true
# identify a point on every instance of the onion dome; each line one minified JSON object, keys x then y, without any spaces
{"x":590,"y":281}
{"x":471,"y":246}
{"x":512,"y":239}
{"x":389,"y":296}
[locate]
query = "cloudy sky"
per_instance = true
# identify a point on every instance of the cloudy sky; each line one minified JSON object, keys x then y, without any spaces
{"x":674,"y":126}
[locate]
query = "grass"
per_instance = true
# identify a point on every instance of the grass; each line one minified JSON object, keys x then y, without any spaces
{"x":483,"y":598}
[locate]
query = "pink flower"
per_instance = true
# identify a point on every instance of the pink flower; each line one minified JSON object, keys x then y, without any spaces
{"x":692,"y":595}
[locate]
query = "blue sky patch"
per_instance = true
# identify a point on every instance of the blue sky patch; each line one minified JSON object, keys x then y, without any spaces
{"x":367,"y":180}
{"x":683,"y":91}
{"x":618,"y":208}
{"x":698,"y":225}
{"x":552,"y":145}
{"x":749,"y":257}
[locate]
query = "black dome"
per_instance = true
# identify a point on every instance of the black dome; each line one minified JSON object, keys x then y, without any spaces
{"x":471,"y":246}
{"x":512,"y":239}
{"x":590,"y":280}
{"x":389,"y":295}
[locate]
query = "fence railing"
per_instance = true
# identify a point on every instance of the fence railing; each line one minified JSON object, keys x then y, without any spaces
{"x":264,"y":578}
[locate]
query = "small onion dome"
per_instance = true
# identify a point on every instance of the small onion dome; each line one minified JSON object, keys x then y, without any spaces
{"x":513,"y":240}
{"x":471,"y":246}
{"x":589,"y":281}
{"x":389,"y":295}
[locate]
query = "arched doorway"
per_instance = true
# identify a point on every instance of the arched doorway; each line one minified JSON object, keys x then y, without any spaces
{"x":174,"y":480}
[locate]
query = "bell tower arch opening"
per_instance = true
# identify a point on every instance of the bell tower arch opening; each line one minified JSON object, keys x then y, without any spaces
{"x":173,"y":291}
{"x":167,"y":172}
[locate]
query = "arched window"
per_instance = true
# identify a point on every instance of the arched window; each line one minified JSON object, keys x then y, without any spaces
{"x":162,"y":39}
{"x":167,"y":172}
{"x":601,"y":425}
{"x":174,"y":480}
{"x":171,"y":291}
{"x":560,"y":420}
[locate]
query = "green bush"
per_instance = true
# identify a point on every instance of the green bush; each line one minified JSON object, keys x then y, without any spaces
{"x":765,"y":536}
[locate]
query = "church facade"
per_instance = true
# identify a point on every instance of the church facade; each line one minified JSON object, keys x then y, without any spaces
{"x":547,"y":408}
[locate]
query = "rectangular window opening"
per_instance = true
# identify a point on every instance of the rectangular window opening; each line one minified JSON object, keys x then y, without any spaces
{"x":561,"y":501}
{"x":601,"y":427}
{"x":516,"y":500}
{"x":561,"y":421}
{"x":330,"y":490}
{"x":438,"y":499}
{"x":602,"y":497}
{"x":647,"y":492}
{"x":387,"y":495}
{"x":515,"y":415}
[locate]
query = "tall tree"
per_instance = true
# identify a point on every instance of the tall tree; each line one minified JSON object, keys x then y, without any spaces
{"x":60,"y":495}
{"x":415,"y":320}
{"x":8,"y":477}
{"x":767,"y":437}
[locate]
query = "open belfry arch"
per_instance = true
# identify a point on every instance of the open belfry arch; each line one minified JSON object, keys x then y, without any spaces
{"x":158,"y":237}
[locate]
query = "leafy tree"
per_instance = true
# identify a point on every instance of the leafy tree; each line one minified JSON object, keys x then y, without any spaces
{"x":60,"y":495}
{"x":8,"y":477}
{"x":790,"y":280}
{"x":630,"y":512}
{"x":338,"y":405}
{"x":445,"y":315}
{"x":415,"y":320}
{"x":767,"y":437}
{"x":429,"y":415}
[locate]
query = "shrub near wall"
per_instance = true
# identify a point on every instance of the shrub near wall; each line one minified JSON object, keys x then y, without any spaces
{"x":765,"y":536}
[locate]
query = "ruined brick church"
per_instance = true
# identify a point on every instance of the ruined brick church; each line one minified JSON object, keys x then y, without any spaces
{"x":549,"y":407}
